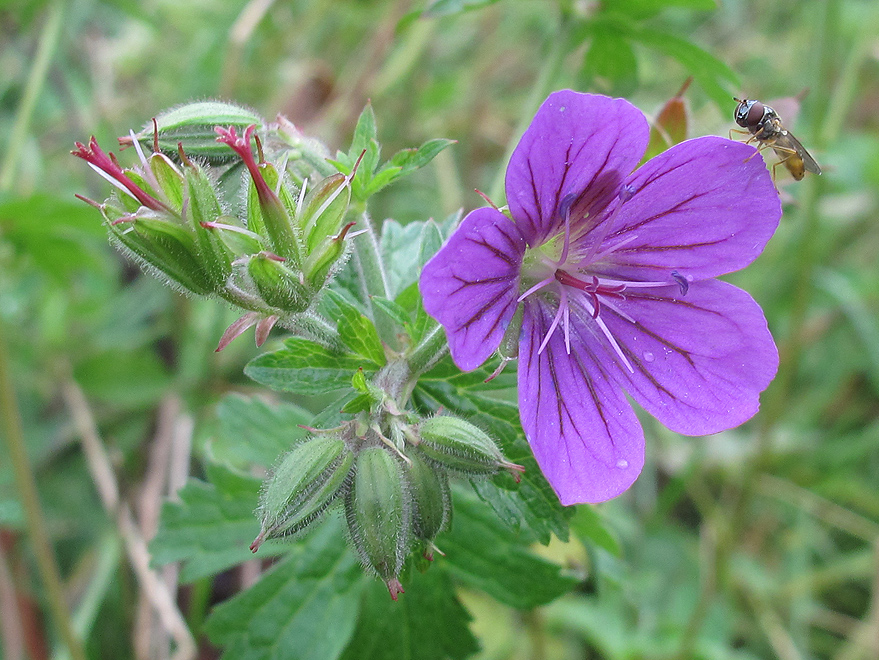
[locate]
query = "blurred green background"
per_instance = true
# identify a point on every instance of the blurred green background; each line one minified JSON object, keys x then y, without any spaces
{"x":761,"y":542}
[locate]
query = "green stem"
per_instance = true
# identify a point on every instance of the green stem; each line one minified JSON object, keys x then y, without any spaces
{"x":546,"y":78}
{"x":36,"y":78}
{"x":36,"y":522}
{"x":430,"y":350}
{"x":371,"y":268}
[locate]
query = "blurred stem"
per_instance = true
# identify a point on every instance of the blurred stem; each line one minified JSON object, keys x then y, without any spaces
{"x":36,"y":78}
{"x":546,"y":78}
{"x":199,"y":601}
{"x":27,"y":491}
{"x":107,"y":565}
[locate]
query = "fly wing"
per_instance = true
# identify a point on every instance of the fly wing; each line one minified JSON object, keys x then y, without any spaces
{"x":786,"y":141}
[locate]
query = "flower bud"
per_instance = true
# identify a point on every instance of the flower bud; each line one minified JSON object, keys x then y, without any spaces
{"x":203,"y":212}
{"x":306,"y":482}
{"x":162,"y":244}
{"x":192,"y":125}
{"x":430,"y":497}
{"x":278,"y":285}
{"x":323,"y":212}
{"x":378,"y":514}
{"x":461,"y":447}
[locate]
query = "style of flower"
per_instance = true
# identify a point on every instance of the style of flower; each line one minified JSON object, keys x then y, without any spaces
{"x":613,"y":270}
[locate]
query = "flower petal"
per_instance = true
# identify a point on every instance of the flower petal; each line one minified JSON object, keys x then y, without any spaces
{"x":703,"y":208}
{"x":700,"y":361}
{"x":581,"y":428}
{"x":578,"y":145}
{"x":472,"y":283}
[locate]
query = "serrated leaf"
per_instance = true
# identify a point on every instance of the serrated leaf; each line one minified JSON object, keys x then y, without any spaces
{"x":211,"y":527}
{"x":256,"y":432}
{"x":303,"y":367}
{"x":485,"y":554}
{"x":355,"y":329}
{"x":427,"y":622}
{"x":305,"y":608}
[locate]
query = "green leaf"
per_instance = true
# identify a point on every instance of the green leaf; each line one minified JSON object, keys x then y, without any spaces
{"x":401,"y":251}
{"x":211,"y":527}
{"x":365,"y":132}
{"x":391,"y":309}
{"x":610,"y":57}
{"x":256,"y":432}
{"x":303,"y":608}
{"x":355,"y":329}
{"x":485,"y":554}
{"x":640,"y":9}
{"x":409,"y":160}
{"x":428,"y":622}
{"x":590,"y":529}
{"x":718,"y":80}
{"x":108,"y":376}
{"x":304,"y":367}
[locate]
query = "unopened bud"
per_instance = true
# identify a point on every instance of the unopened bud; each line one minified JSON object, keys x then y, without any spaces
{"x":192,"y":125}
{"x":461,"y":447}
{"x":306,"y":482}
{"x":429,"y":493}
{"x":203,"y":212}
{"x":277,"y":284}
{"x":379,"y":519}
{"x":323,"y":212}
{"x":163,"y":245}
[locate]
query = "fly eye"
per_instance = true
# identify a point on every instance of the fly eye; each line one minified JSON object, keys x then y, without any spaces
{"x":755,"y":113}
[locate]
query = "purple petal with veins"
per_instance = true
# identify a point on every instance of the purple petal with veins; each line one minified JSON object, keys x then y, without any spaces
{"x":703,"y":208}
{"x":578,"y":144}
{"x":471,"y":285}
{"x":583,"y":432}
{"x":699,"y":361}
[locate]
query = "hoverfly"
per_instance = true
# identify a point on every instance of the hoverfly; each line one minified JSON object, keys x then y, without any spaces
{"x":764,"y":125}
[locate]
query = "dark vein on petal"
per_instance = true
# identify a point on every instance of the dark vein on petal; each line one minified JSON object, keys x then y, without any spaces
{"x":500,"y":254}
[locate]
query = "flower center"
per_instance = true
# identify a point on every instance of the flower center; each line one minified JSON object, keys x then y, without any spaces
{"x":564,"y":272}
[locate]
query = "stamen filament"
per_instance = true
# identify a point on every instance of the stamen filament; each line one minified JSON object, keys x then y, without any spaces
{"x":536,"y":287}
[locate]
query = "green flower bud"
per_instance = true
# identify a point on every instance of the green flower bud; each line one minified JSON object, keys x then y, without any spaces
{"x":378,"y":513}
{"x":430,"y":496}
{"x":319,"y":263}
{"x":277,"y":284}
{"x":323,"y":212}
{"x":192,"y":125}
{"x":461,"y":447}
{"x":203,"y":211}
{"x":169,"y":179}
{"x":164,"y":245}
{"x":306,"y":482}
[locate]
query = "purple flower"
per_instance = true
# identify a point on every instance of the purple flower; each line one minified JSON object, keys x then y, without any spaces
{"x":614,"y":270}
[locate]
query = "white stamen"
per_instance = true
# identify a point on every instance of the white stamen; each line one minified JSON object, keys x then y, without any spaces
{"x":613,"y":342}
{"x":115,"y":182}
{"x":536,"y":287}
{"x":301,"y":198}
{"x":147,"y":170}
{"x":552,"y":327}
{"x":613,"y":248}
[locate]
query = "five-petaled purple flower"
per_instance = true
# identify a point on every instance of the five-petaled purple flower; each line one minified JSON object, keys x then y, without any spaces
{"x":614,"y":270}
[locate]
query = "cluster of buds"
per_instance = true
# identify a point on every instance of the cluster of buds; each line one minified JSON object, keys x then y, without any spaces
{"x":174,"y":214}
{"x":395,"y":489}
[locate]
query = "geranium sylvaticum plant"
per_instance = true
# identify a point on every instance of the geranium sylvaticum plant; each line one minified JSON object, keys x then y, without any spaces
{"x":601,"y":272}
